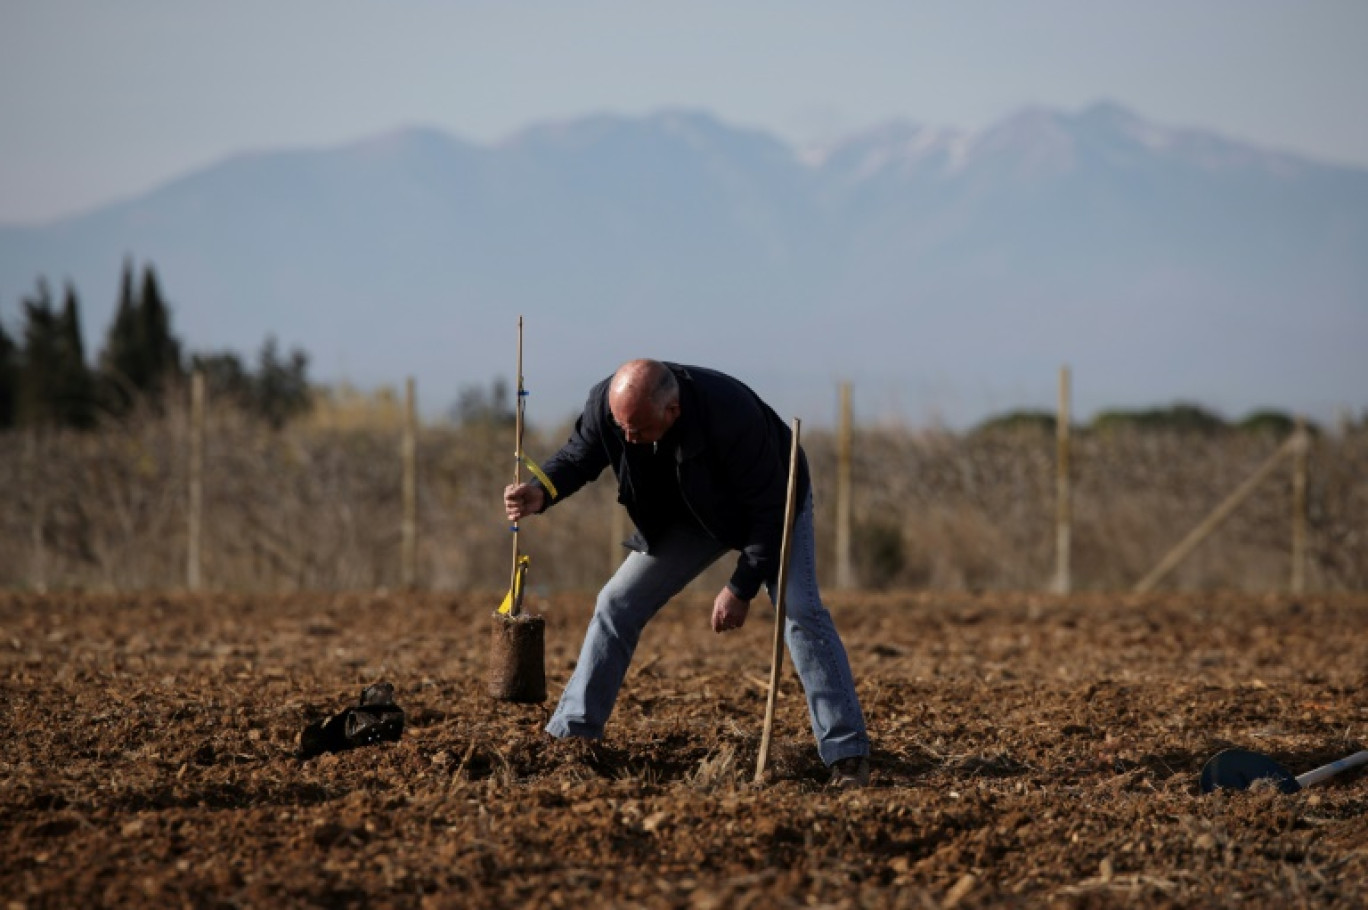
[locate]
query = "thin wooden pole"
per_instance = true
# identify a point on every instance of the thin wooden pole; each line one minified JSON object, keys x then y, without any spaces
{"x":1299,"y":453}
{"x":1214,"y":520}
{"x":845,"y":577}
{"x":409,"y":529}
{"x":193,"y":555}
{"x":513,"y":586}
{"x":777,"y":659}
{"x":1063,"y":580}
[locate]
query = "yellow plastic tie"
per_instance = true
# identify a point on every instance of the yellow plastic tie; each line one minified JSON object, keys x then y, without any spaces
{"x":515,"y":595}
{"x":539,"y":474}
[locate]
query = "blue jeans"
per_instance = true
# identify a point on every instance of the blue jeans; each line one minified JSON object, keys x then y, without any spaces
{"x":645,"y":582}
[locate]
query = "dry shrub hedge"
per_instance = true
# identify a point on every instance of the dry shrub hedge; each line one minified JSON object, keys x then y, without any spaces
{"x":310,"y":508}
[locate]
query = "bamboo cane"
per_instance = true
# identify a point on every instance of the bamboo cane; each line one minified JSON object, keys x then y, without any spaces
{"x":777,"y":659}
{"x":514,"y":587}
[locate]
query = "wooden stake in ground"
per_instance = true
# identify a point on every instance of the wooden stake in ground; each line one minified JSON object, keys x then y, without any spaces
{"x":845,"y":575}
{"x":196,"y":506}
{"x":408,"y":532}
{"x":777,"y":660}
{"x":1299,"y":450}
{"x":1063,"y":579}
{"x":517,"y":655}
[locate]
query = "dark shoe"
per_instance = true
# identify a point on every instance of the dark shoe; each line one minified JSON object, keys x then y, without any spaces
{"x":850,"y":773}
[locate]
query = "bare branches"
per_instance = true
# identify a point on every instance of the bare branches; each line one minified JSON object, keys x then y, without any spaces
{"x":311,"y":508}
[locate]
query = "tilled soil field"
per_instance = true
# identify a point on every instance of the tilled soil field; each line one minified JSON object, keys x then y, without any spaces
{"x":1028,"y":751}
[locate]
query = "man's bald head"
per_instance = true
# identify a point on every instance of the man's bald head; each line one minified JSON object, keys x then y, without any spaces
{"x":644,"y":399}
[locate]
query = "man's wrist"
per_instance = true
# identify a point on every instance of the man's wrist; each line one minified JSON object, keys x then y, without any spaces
{"x":731,"y":586}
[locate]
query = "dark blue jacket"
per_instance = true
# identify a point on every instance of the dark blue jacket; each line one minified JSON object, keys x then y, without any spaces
{"x":731,"y":463}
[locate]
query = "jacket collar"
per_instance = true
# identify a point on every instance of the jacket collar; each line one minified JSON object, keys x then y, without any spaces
{"x":690,"y":424}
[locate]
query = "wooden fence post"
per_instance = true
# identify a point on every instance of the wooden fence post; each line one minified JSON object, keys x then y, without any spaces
{"x":38,"y":489}
{"x":845,"y":575}
{"x":408,"y":557}
{"x":1063,"y":579}
{"x":195,"y":509}
{"x":1212,"y":521}
{"x":1301,"y":444}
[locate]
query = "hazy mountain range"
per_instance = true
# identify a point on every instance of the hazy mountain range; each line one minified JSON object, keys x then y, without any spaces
{"x":948,"y":274}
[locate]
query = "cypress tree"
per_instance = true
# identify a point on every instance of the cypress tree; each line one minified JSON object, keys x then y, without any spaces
{"x":140,"y":354}
{"x":39,"y":361}
{"x":160,"y":349}
{"x":75,"y":391}
{"x":55,"y":385}
{"x":9,"y":379}
{"x":120,"y":362}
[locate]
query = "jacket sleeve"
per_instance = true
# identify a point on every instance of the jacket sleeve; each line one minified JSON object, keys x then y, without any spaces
{"x":583,"y":456}
{"x":758,"y":468}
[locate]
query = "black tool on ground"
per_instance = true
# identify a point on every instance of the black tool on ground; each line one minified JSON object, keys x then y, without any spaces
{"x":1239,"y":769}
{"x":376,"y":718}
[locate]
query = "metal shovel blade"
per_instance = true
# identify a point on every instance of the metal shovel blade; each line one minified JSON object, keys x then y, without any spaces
{"x":1237,"y":769}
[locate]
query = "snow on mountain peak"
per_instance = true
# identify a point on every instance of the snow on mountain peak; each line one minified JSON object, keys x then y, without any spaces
{"x":898,"y":146}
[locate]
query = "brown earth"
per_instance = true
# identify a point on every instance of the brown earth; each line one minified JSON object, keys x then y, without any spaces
{"x":1029,"y":751}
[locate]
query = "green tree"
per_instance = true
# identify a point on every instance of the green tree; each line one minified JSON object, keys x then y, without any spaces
{"x":1019,"y":421}
{"x":9,"y":379}
{"x":55,"y":384}
{"x":276,"y":392}
{"x":119,"y":361}
{"x":76,"y":390}
{"x":478,"y":406}
{"x":38,"y":357}
{"x":140,"y":354}
{"x":1267,"y":420}
{"x":1179,"y":417}
{"x":281,"y":385}
{"x":225,"y":378}
{"x":161,"y":349}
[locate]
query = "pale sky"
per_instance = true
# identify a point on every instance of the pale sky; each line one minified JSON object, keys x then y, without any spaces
{"x":104,"y":99}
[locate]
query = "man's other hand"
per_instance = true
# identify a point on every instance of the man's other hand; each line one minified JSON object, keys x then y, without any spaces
{"x":729,"y":611}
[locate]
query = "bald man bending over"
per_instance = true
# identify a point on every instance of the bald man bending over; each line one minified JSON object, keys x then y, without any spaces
{"x":702,"y":468}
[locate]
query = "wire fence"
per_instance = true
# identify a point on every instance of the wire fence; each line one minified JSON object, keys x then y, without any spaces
{"x":309,"y":508}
